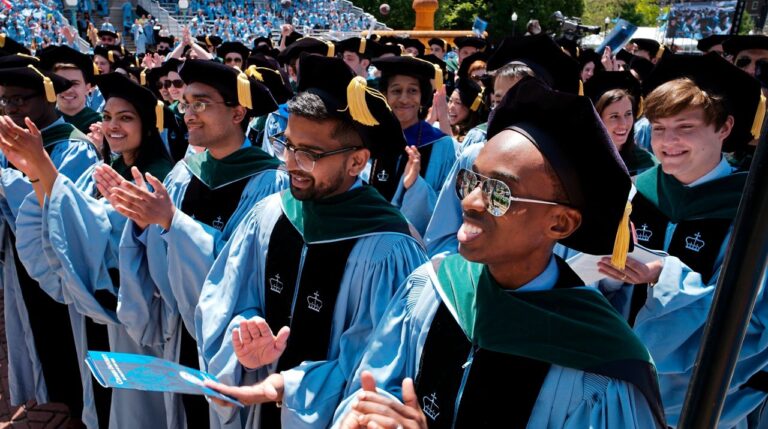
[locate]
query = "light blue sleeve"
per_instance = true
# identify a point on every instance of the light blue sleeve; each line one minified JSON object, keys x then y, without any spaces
{"x":232,"y":292}
{"x":145,"y":305}
{"x":71,"y":159}
{"x":394,"y":350}
{"x":418,"y":202}
{"x":85,"y":234}
{"x":474,"y":136}
{"x":671,"y":324}
{"x":193,"y":246}
{"x":573,"y":399}
{"x":440,"y":236}
{"x":643,"y":134}
{"x":377,"y":266}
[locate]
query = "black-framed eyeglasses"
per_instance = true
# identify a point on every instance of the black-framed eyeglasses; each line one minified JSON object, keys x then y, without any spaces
{"x":496,"y":194}
{"x":235,"y":60}
{"x":196,"y":106}
{"x":176,"y":83}
{"x":305,"y":159}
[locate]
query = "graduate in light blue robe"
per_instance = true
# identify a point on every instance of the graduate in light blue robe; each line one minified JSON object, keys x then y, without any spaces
{"x":81,"y":231}
{"x":71,"y":153}
{"x":559,"y":354}
{"x":323,"y":259}
{"x":163,"y":266}
{"x":406,"y":83}
{"x":689,"y":213}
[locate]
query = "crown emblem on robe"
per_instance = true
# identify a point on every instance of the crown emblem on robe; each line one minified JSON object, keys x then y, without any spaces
{"x":644,"y":234}
{"x":275,"y":285}
{"x":383,"y":176}
{"x":314,"y":302}
{"x":218,"y":223}
{"x":430,"y":406}
{"x":694,"y":243}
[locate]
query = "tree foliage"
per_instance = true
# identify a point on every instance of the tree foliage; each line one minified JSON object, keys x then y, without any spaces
{"x":460,"y":14}
{"x":639,"y":12}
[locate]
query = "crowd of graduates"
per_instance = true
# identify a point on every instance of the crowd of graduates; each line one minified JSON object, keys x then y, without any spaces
{"x":368,"y":234}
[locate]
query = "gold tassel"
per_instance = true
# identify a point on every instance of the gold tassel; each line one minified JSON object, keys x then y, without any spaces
{"x":143,"y":77}
{"x":331,"y":49}
{"x":581,"y":87}
{"x":208,"y":41}
{"x":358,"y":108}
{"x":363,"y":43}
{"x":50,"y":92}
{"x":95,"y":70}
{"x":159,"y":115}
{"x":478,"y":101}
{"x":111,"y":56}
{"x":621,"y":245}
{"x":2,"y":40}
{"x":660,"y":53}
{"x":578,"y":52}
{"x":640,"y":107}
{"x":244,"y":91}
{"x":438,"y":77}
{"x":757,"y":125}
{"x":253,"y":72}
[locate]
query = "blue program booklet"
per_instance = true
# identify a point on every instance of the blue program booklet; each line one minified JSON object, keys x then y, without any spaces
{"x":620,"y":35}
{"x":139,"y":372}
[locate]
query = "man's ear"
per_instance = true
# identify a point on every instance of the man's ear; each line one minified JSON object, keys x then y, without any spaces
{"x":564,"y":221}
{"x":358,"y":161}
{"x":726,"y":129}
{"x":238,"y":114}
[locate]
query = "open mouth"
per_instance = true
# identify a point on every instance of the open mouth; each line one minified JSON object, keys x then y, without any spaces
{"x":468,"y":232}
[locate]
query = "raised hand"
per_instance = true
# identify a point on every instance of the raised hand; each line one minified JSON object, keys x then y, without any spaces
{"x":269,"y":390}
{"x":412,"y":167}
{"x":608,"y":61}
{"x":142,"y":206}
{"x":107,"y":179}
{"x":23,"y":148}
{"x":96,"y":134}
{"x":254,"y":344}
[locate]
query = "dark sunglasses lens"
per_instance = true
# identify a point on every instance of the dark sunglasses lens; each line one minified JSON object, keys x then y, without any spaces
{"x":743,"y":62}
{"x":178,"y":83}
{"x":159,"y":85}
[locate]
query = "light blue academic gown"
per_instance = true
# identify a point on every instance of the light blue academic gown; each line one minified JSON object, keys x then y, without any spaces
{"x":440,"y":236}
{"x":80,"y":236}
{"x":475,"y":135}
{"x":234,"y":291}
{"x":162,"y":272}
{"x":671,"y":324}
{"x":569,"y":398}
{"x":25,"y":378}
{"x":418,"y":202}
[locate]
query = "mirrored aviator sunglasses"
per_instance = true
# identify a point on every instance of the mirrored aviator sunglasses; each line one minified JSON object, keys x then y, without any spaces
{"x":496,"y":194}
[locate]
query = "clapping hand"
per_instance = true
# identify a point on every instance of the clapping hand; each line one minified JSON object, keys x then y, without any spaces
{"x":371,"y":409}
{"x":255,"y":345}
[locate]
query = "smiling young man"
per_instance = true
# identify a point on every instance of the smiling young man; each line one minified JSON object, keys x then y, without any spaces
{"x":700,"y":107}
{"x":507,"y":312}
{"x":177,"y":229}
{"x":79,"y":70}
{"x":42,"y":360}
{"x":289,"y":305}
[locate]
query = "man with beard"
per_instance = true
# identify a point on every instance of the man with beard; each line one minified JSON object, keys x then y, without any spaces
{"x":42,"y":360}
{"x":295,"y":295}
{"x":177,"y":228}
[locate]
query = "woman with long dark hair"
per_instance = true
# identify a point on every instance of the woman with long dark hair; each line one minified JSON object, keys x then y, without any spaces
{"x":79,"y":233}
{"x":617,"y":99}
